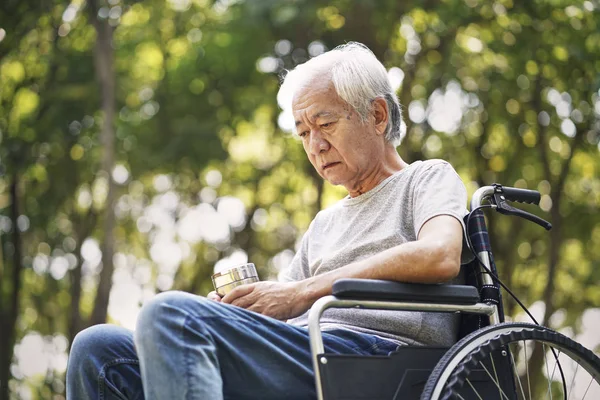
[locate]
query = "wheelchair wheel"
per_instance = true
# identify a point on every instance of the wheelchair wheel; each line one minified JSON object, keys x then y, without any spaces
{"x":517,"y":361}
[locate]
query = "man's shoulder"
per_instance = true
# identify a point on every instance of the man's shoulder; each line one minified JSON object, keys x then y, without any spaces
{"x":412,"y":175}
{"x":432,"y":163}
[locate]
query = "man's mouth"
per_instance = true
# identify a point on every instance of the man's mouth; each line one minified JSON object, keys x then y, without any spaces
{"x":329,"y":165}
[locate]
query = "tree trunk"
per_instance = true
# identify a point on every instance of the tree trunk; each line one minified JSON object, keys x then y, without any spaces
{"x":11,"y":312}
{"x":83,"y":230}
{"x":104,"y":66}
{"x":556,"y":235}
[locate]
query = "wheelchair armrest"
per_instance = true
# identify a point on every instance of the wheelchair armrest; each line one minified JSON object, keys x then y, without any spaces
{"x":371,"y":289}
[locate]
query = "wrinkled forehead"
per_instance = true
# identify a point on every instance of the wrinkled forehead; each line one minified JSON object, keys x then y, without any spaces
{"x":317,"y":91}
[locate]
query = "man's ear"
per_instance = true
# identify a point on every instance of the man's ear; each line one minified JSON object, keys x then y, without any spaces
{"x":381,"y":115}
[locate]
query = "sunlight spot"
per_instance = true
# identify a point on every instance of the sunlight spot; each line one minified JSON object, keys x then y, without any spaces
{"x":233,"y":210}
{"x":282,"y":260}
{"x":180,"y":5}
{"x":553,"y":96}
{"x":546,"y":203}
{"x":285,"y":121}
{"x":555,"y":144}
{"x":416,"y":112}
{"x":474,"y":44}
{"x":59,"y":267}
{"x":544,"y":118}
{"x":316,"y":48}
{"x":23,"y":223}
{"x":168,"y":201}
{"x":162,"y":183}
{"x":568,"y":128}
{"x":267,"y":64}
{"x":120,"y":174}
{"x":213,"y":227}
{"x":237,"y":257}
{"x":260,"y":218}
{"x":563,"y":109}
{"x":214,"y":178}
{"x":524,"y":250}
{"x":395,"y":76}
{"x":90,"y":251}
{"x":31,"y":355}
{"x":164,"y":282}
{"x":194,"y":35}
{"x":283,"y":47}
{"x":208,"y":195}
{"x":70,"y":13}
{"x":446,"y":108}
{"x":125,"y":297}
{"x":167,"y":254}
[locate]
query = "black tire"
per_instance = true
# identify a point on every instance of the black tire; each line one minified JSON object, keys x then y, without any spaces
{"x":450,"y":374}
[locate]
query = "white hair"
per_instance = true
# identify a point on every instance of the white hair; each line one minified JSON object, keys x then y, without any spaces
{"x":358,"y":78}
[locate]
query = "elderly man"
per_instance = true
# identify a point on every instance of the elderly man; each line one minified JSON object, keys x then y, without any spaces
{"x":399,"y":222}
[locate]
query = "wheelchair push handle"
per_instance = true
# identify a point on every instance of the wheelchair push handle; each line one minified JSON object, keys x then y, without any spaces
{"x":503,"y":194}
{"x":520,"y":195}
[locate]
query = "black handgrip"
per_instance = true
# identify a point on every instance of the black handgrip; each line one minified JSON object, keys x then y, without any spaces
{"x":521,"y":195}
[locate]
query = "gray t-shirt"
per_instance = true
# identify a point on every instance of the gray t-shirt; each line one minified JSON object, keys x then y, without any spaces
{"x":356,"y":228}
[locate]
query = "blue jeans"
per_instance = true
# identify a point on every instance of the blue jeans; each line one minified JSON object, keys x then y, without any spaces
{"x":188,"y":347}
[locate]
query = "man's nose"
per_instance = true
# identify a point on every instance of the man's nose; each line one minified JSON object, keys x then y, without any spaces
{"x":318,"y":143}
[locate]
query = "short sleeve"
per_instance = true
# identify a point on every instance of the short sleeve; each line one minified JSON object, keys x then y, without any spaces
{"x":438,"y":190}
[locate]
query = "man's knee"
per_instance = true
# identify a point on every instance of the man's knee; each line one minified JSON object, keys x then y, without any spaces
{"x":167,"y":311}
{"x":97,"y":342}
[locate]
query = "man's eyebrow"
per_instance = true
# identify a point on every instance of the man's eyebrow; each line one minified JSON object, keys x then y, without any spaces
{"x":319,"y":115}
{"x":323,"y":114}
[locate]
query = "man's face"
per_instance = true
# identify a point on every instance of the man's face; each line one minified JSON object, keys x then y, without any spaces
{"x":339,"y":145}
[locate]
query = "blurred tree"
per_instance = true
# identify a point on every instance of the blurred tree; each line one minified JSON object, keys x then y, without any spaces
{"x":204,"y":174}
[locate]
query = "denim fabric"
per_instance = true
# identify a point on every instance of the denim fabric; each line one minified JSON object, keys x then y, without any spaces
{"x":188,"y":347}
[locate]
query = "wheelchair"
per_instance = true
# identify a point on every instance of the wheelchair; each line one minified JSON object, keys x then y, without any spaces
{"x":492,"y":359}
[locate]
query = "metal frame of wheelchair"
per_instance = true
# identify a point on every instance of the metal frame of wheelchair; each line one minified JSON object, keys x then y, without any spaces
{"x":403,"y":373}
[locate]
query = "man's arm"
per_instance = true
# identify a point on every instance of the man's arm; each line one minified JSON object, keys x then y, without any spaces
{"x":433,"y":257}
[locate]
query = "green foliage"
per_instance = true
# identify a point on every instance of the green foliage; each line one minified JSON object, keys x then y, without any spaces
{"x":506,"y":91}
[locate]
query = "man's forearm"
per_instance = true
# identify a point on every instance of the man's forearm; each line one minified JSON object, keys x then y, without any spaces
{"x":419,"y":262}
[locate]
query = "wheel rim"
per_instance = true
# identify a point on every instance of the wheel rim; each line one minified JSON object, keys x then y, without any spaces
{"x":580,"y":368}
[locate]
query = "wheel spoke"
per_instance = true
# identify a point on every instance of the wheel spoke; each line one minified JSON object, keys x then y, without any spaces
{"x":588,"y":388}
{"x":527,"y":368}
{"x":474,"y":390}
{"x":496,"y":374}
{"x":518,"y":378}
{"x":495,"y":382}
{"x":547,"y":370}
{"x":573,"y":380}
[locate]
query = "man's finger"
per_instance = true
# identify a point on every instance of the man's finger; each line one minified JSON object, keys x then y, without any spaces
{"x":214,"y":296}
{"x":238,"y":292}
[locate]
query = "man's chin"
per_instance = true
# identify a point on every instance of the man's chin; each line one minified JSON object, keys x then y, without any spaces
{"x":331,"y":177}
{"x":334,"y":181}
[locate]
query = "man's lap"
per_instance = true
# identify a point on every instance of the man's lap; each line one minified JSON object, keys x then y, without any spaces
{"x":258,"y":357}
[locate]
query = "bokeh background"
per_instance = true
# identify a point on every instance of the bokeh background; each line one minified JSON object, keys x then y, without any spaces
{"x":142,"y":147}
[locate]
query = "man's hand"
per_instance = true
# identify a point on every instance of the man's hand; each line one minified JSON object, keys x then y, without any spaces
{"x":279,"y":300}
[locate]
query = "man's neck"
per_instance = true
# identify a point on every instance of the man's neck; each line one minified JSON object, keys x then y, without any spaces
{"x":392,"y":163}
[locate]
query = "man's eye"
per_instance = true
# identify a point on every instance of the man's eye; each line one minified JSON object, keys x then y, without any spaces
{"x":326,"y":125}
{"x":302,"y":134}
